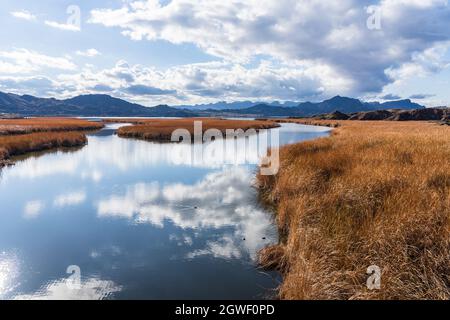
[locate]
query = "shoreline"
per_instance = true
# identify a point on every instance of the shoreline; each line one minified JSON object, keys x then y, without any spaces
{"x":23,"y":136}
{"x":18,"y":145}
{"x":160,"y":130}
{"x":358,"y":198}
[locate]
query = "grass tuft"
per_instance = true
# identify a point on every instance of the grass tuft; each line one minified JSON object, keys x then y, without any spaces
{"x":162,"y":129}
{"x":20,"y":136}
{"x":373,"y":193}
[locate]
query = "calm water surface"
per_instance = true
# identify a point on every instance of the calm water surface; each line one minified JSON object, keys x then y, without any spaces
{"x":138,"y":220}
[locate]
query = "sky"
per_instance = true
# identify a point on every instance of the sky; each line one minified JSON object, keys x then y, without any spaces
{"x":180,"y":52}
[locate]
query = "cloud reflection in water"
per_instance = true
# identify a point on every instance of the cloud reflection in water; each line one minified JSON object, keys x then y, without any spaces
{"x":9,"y":271}
{"x":90,"y":289}
{"x":222,"y":200}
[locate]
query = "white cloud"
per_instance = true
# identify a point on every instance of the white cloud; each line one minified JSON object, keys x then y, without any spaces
{"x":11,"y":68}
{"x":32,"y":209}
{"x":27,"y":61}
{"x":23,"y":15}
{"x":265,"y":50}
{"x":329,"y":35}
{"x":212,"y":81}
{"x":422,"y":64}
{"x":62,"y":26}
{"x":88,"y":53}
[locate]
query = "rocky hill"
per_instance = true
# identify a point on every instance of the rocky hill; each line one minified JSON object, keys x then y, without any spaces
{"x":429,"y":114}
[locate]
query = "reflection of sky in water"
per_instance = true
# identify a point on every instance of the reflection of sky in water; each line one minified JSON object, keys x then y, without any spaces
{"x":139,"y":220}
{"x":90,"y":289}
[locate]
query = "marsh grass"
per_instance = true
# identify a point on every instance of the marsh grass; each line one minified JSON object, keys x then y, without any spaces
{"x":20,"y":144}
{"x":20,"y":136}
{"x":162,"y":129}
{"x":374,"y":193}
{"x":32,"y":125}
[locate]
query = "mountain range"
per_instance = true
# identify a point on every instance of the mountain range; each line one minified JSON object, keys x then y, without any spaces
{"x":308,"y":109}
{"x":104,"y":105}
{"x":223,"y":105}
{"x":84,"y":105}
{"x":436,"y":114}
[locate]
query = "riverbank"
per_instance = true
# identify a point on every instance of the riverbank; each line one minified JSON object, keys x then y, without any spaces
{"x":162,"y":129}
{"x":373,"y":193}
{"x":32,"y":125}
{"x":21,"y":136}
{"x":15,"y":145}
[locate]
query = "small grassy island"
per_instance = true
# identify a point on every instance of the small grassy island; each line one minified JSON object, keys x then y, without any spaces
{"x":374,"y":193}
{"x":161,"y":129}
{"x":20,"y":136}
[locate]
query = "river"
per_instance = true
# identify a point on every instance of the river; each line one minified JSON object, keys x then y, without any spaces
{"x":129,"y":219}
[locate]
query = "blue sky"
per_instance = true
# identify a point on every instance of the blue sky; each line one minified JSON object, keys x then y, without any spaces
{"x":188,"y":52}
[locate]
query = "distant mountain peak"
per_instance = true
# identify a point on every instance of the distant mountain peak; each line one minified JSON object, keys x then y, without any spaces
{"x":83,"y":105}
{"x":106,"y":105}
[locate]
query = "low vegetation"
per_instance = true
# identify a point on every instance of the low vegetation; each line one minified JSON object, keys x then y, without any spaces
{"x":20,"y":136}
{"x":162,"y":129}
{"x":374,"y":193}
{"x":19,"y":144}
{"x":30,"y":125}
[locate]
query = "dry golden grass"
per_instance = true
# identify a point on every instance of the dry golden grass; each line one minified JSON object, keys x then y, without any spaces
{"x":19,"y":144}
{"x":374,"y":193}
{"x":24,"y":126}
{"x":19,"y":136}
{"x":161,"y":129}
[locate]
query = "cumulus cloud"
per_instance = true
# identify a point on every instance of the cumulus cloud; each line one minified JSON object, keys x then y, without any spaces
{"x":331,"y":36}
{"x":63,"y":26}
{"x":207,"y":82}
{"x":27,"y":61}
{"x":285,"y":50}
{"x":421,"y":64}
{"x":23,"y":14}
{"x":88,"y":53}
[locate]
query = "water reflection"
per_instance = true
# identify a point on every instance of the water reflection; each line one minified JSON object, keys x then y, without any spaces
{"x":125,"y":155}
{"x":9,"y":271}
{"x":70,"y":199}
{"x":61,"y":289}
{"x":222,"y":199}
{"x":139,"y":223}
